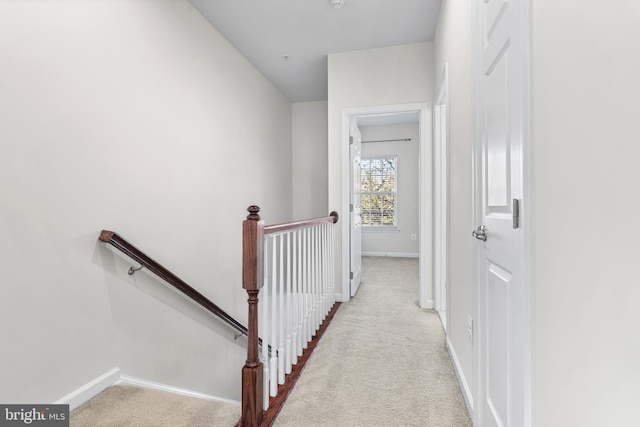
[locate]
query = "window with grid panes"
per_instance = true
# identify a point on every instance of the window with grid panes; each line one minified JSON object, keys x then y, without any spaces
{"x":378,"y":191}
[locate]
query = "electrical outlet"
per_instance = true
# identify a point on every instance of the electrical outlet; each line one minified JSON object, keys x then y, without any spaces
{"x":470,"y":328}
{"x":414,"y":237}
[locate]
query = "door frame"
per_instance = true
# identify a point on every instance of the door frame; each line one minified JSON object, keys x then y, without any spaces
{"x":425,"y":288}
{"x":526,"y":208}
{"x":353,"y":254}
{"x":441,"y":196}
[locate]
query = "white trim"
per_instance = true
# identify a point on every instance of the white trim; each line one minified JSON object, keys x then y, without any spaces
{"x":89,"y":390}
{"x":384,"y":229}
{"x":443,"y":318}
{"x":440,"y":195}
{"x":113,"y":377}
{"x":476,"y":48}
{"x":464,"y":385}
{"x":425,"y":288}
{"x":527,"y":213}
{"x":125,"y":379}
{"x":392,"y":254}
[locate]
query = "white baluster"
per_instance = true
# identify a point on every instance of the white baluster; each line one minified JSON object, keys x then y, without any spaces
{"x":294,"y":296}
{"x":316,"y":267}
{"x":305,"y":284}
{"x":288,"y":324}
{"x":281,"y":312}
{"x":332,"y":273}
{"x":264,"y":327}
{"x":325,"y":287}
{"x":309,"y":293}
{"x":314,"y":275}
{"x":299,"y":295}
{"x":273,"y":361}
{"x":328,"y":265}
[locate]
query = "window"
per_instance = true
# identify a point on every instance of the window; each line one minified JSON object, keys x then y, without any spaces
{"x":378,"y":191}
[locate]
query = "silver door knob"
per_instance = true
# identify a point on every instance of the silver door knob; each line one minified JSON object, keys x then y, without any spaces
{"x":480,"y":233}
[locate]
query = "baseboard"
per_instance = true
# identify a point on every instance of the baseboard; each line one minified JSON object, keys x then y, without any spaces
{"x":428,"y":305}
{"x":391,"y":254}
{"x":443,"y":318}
{"x":125,"y":379}
{"x":113,"y":377}
{"x":89,"y":390}
{"x":464,"y":386}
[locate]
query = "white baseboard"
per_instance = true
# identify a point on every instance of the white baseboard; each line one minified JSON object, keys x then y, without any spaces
{"x":443,"y":319}
{"x":428,"y":305}
{"x":125,"y":379}
{"x":392,"y":254}
{"x":89,"y":390}
{"x":113,"y":377}
{"x":464,"y":385}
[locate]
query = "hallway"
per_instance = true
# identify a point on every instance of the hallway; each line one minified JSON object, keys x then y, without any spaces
{"x":381,"y":362}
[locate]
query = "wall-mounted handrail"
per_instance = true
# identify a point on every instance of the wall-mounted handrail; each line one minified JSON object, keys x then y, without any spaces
{"x":136,"y":254}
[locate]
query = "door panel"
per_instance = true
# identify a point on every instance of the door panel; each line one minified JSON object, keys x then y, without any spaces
{"x":498,"y":177}
{"x":498,"y":343}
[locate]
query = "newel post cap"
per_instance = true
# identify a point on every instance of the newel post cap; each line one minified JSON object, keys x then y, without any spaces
{"x":253,"y":213}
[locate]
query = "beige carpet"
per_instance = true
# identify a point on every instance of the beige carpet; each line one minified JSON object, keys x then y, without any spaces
{"x":129,"y":406}
{"x":381,"y":362}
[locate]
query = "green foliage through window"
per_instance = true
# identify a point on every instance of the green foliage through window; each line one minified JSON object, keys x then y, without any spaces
{"x":378,"y":192}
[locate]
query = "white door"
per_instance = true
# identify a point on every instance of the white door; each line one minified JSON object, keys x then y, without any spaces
{"x":501,"y":310}
{"x":355,"y":141}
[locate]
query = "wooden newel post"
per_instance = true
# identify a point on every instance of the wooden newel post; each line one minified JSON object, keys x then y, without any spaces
{"x":252,"y":371}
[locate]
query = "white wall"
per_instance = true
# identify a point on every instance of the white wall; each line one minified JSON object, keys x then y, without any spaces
{"x":309,"y":122}
{"x":587,"y":239}
{"x":386,"y":76}
{"x":134,"y":116}
{"x":396,"y":242}
{"x":453,"y":46}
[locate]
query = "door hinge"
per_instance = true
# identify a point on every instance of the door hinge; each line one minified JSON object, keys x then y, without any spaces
{"x":350,"y":207}
{"x":351,"y":275}
{"x":350,"y":140}
{"x":516,"y":213}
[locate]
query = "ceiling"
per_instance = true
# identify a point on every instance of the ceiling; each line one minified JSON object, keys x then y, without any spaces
{"x":306,"y":31}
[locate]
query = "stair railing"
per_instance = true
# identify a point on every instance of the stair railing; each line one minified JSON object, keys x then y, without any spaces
{"x":291,"y":266}
{"x":162,"y":272}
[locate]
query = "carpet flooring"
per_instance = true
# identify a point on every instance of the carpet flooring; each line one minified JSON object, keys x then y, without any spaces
{"x":382,"y":362}
{"x":131,"y":406}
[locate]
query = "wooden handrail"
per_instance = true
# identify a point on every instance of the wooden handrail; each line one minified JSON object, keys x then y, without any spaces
{"x":289,"y":226}
{"x":253,"y":231}
{"x":131,"y":251}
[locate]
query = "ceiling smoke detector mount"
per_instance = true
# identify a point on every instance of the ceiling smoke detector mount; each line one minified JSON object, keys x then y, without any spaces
{"x":336,"y":4}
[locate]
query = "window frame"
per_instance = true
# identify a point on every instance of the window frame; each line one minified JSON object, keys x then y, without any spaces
{"x":381,"y":228}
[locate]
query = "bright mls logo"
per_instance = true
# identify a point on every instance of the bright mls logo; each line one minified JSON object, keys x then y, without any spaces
{"x":34,"y":415}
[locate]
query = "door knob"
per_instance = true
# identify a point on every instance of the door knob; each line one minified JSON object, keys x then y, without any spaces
{"x":480,"y":233}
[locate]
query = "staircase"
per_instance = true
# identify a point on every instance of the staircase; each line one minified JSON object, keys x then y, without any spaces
{"x":288,"y":267}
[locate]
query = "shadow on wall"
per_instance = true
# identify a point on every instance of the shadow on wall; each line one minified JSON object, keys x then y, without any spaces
{"x":129,"y":307}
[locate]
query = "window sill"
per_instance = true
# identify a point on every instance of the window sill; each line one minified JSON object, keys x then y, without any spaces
{"x":387,"y":229}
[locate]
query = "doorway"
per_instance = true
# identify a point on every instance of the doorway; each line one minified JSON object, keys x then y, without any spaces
{"x":425,"y":234}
